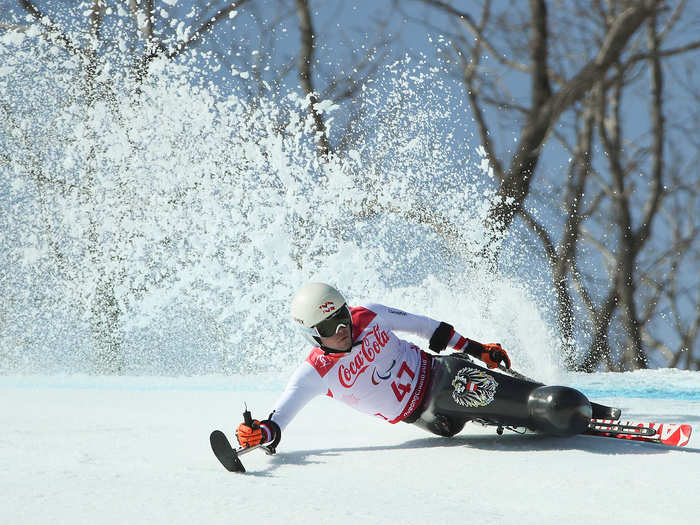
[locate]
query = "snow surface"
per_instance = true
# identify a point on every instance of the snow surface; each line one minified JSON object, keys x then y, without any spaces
{"x":82,"y":449}
{"x":196,"y":281}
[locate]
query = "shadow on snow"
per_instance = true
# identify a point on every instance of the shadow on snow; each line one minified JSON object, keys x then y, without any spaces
{"x":504,"y":443}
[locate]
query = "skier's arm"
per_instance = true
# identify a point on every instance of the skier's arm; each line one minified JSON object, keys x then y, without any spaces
{"x":402,"y":321}
{"x":303,"y":386}
{"x":441,"y":335}
{"x":490,"y":353}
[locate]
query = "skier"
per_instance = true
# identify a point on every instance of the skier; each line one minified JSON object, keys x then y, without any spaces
{"x":359,"y":360}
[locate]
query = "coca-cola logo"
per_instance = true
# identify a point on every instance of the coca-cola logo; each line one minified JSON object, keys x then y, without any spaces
{"x":372,"y":345}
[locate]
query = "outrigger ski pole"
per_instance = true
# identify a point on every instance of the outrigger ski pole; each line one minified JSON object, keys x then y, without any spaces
{"x":226,"y":454}
{"x":515,"y":374}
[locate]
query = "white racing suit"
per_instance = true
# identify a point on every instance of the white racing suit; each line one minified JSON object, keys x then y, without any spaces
{"x":382,"y":375}
{"x":393,"y":379}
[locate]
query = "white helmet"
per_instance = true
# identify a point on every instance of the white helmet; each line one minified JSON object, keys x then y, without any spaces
{"x":317,"y":302}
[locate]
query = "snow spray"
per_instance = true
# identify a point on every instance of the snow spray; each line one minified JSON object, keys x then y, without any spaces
{"x":160,"y":224}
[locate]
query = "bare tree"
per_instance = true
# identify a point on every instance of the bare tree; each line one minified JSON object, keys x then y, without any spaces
{"x":579,"y":103}
{"x":619,"y":234}
{"x":546,"y":104}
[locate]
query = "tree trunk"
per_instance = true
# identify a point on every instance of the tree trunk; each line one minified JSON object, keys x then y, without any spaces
{"x":306,"y":57}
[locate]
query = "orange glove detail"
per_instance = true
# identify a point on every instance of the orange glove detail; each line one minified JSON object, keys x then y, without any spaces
{"x":249,"y":436}
{"x":493,"y":355}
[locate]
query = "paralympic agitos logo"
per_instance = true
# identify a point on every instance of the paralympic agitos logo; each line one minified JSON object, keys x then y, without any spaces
{"x":372,"y":345}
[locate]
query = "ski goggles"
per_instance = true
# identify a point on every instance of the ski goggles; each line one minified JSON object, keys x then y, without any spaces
{"x":330,"y":326}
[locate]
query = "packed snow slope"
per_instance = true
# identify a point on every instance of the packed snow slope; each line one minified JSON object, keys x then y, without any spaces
{"x":82,"y":449}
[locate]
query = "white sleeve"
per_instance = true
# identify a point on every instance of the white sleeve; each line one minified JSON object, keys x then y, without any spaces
{"x":402,"y":321}
{"x":303,"y":386}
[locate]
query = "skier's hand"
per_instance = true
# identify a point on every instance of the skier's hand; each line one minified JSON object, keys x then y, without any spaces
{"x":249,"y":436}
{"x":493,"y":355}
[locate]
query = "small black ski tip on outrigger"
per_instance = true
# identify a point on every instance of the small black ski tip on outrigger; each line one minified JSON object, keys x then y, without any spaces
{"x":224,"y":452}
